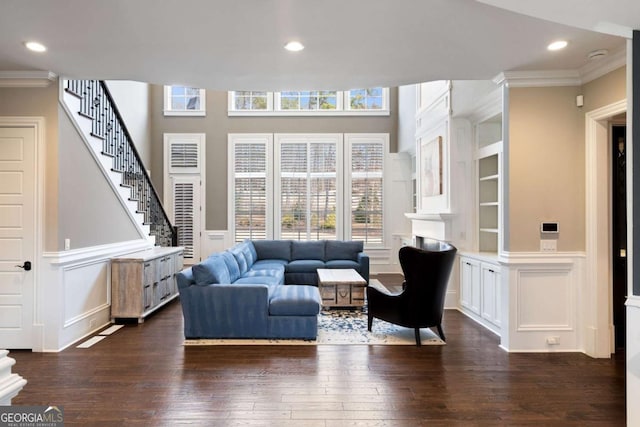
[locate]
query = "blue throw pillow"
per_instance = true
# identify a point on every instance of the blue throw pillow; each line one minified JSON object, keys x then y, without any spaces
{"x":211,"y":270}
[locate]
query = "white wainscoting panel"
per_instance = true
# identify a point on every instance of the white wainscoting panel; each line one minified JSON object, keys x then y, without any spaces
{"x":87,"y":290}
{"x":540,"y":297}
{"x":545,"y":300}
{"x":76,"y":293}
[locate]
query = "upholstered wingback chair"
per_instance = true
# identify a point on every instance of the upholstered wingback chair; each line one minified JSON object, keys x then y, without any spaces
{"x":421,"y":303}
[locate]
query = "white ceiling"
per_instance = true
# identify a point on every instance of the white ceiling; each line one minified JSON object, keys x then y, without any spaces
{"x":238,"y":44}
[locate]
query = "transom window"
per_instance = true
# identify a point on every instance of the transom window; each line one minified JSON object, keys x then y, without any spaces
{"x":184,"y":101}
{"x":252,"y":101}
{"x":372,"y":101}
{"x":308,"y":100}
{"x":366,"y":99}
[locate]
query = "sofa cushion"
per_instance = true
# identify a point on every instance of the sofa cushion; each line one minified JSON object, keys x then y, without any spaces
{"x":247,"y":252}
{"x":252,"y":251}
{"x":277,"y":273}
{"x":273,"y":249}
{"x":232,"y":265}
{"x":211,"y":270}
{"x":240,"y":258}
{"x":269,"y":264}
{"x":343,"y":263}
{"x":259,"y":280}
{"x":304,"y":266}
{"x":295,"y":300}
{"x":307,"y":250}
{"x":339,"y":249}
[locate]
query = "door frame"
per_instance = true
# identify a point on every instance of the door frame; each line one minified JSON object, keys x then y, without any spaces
{"x":597,"y":311}
{"x":38,"y":125}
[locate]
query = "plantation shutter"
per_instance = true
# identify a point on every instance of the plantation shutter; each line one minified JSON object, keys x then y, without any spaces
{"x":184,"y":157}
{"x":308,"y":190}
{"x":293,"y":191}
{"x":185,"y":216}
{"x":367,"y":161}
{"x":250,"y":186}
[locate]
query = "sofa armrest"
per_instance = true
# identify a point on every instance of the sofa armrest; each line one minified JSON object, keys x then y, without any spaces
{"x":185,"y":278}
{"x":363,"y":260}
{"x":224,"y":310}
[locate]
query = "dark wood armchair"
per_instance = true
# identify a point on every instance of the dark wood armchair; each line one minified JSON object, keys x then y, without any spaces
{"x":421,"y":302}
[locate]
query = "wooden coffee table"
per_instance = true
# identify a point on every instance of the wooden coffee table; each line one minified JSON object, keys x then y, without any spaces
{"x":341,"y":287}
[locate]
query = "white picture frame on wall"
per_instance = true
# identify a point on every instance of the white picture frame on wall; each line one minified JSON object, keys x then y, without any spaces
{"x":431,"y":176}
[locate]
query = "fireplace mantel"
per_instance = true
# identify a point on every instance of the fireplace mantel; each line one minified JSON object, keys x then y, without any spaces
{"x":431,"y":225}
{"x":429,"y":216}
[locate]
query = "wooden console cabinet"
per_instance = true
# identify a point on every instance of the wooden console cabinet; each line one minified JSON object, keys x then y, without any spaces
{"x":142,"y":282}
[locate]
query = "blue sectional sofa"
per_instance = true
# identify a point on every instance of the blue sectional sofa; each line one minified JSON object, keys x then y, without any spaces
{"x":262,"y":288}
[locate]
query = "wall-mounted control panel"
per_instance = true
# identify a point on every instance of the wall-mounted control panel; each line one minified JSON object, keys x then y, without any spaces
{"x":549,"y":227}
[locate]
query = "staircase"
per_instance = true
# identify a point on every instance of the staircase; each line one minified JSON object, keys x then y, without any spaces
{"x":104,"y":131}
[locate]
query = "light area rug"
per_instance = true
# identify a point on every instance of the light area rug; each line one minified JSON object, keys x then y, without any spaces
{"x":341,"y":327}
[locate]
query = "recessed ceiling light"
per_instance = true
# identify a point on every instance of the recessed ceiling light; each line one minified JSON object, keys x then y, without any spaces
{"x":294,"y":46}
{"x":35,"y":46}
{"x":557,"y":45}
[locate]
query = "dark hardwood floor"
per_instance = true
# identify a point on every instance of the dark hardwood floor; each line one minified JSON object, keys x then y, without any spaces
{"x":142,"y":375}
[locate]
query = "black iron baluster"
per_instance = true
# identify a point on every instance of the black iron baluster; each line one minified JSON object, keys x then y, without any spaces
{"x":97,"y":104}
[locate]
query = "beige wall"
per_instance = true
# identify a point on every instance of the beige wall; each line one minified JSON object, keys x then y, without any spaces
{"x":547,"y":159}
{"x":606,"y":90}
{"x":90,"y":211}
{"x":546,"y":167}
{"x":40,"y":102}
{"x":217,"y":125}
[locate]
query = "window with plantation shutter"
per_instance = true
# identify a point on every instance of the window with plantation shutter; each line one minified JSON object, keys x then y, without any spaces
{"x":184,"y":195}
{"x":184,"y":155}
{"x":365,"y":192}
{"x":183,"y":214}
{"x":249,"y":197}
{"x":308,"y":186}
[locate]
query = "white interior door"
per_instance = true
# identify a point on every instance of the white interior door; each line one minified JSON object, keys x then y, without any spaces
{"x":17,"y":243}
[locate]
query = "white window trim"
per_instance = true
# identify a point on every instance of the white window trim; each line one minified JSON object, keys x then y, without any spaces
{"x":341,"y":108}
{"x":349,"y":140}
{"x":194,"y":113}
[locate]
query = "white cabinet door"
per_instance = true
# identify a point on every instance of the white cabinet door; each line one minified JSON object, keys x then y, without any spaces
{"x":470,"y":284}
{"x":490,"y":294}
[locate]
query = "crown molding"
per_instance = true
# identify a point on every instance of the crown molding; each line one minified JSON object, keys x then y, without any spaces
{"x":539,"y":78}
{"x":26,"y":78}
{"x":583,"y":75}
{"x":598,"y":68}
